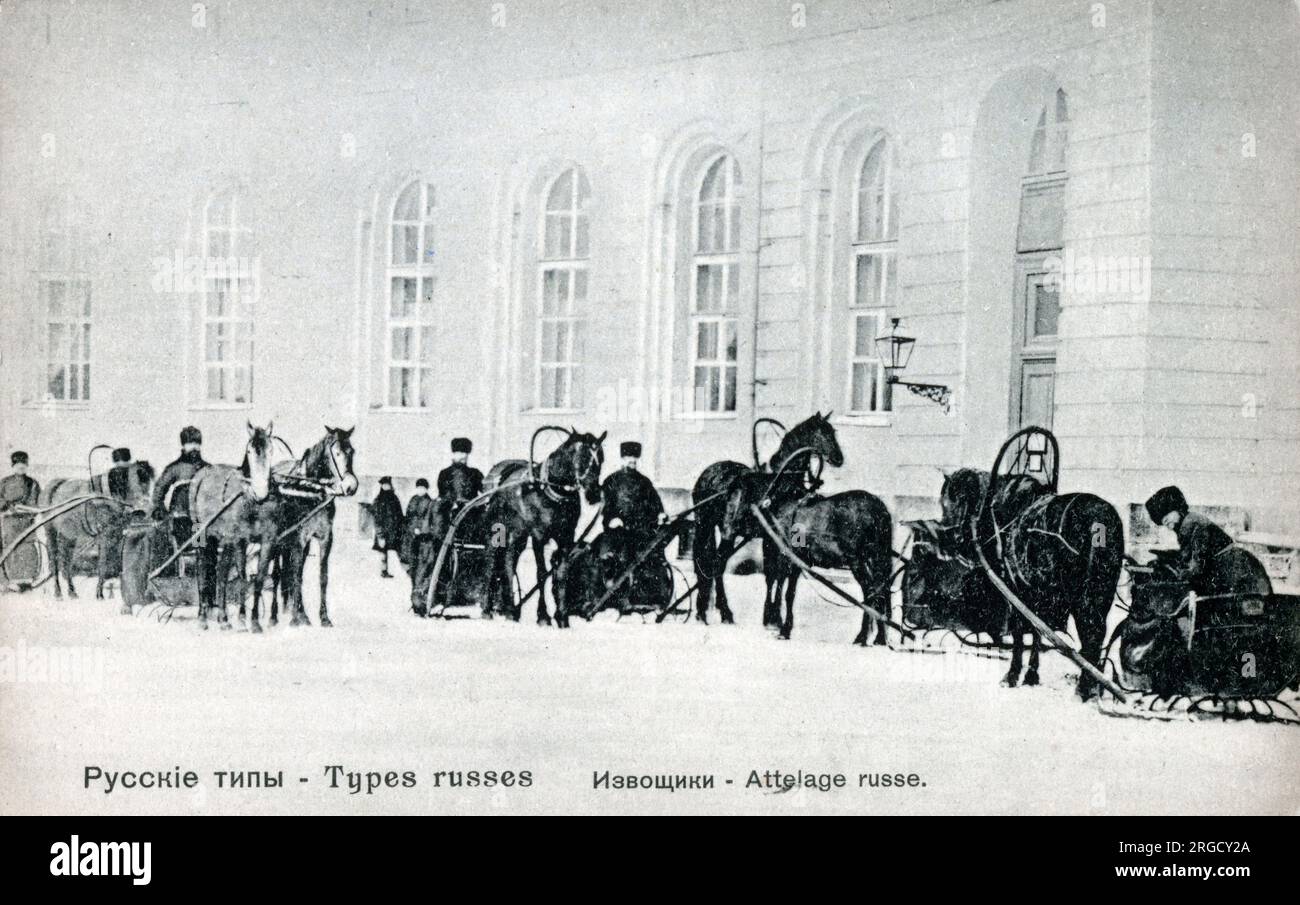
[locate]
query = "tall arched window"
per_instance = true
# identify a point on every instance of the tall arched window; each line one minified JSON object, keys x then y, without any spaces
{"x":409,"y":358}
{"x":874,"y":278}
{"x":715,"y":288}
{"x":64,"y":288}
{"x":229,"y":294}
{"x":562,"y":291}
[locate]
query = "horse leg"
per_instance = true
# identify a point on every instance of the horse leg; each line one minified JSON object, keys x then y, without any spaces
{"x":703,"y":552}
{"x":326,"y":543}
{"x":225,"y":554}
{"x":1090,"y":621}
{"x":69,"y":555}
{"x":1031,"y":675}
{"x":1012,"y":678}
{"x":259,"y":579}
{"x":539,"y":557}
{"x":206,"y":579}
{"x":275,"y":563}
{"x":791,"y":580}
{"x":297,"y":566}
{"x":52,"y":542}
{"x":772,"y":578}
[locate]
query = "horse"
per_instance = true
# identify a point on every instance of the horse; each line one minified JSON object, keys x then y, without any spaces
{"x":325,"y":470}
{"x":851,"y":530}
{"x":542,"y":509}
{"x":728,"y":484}
{"x":230,"y":505}
{"x":1061,"y":554}
{"x":97,"y":523}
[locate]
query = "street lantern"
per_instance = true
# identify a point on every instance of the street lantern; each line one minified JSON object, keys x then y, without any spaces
{"x":896,"y":351}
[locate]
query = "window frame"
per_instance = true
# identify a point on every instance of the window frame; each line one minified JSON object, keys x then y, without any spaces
{"x":884,"y":249}
{"x":575,"y":260}
{"x":422,"y":324}
{"x":729,"y":261}
{"x":66,"y":267}
{"x":242,"y":303}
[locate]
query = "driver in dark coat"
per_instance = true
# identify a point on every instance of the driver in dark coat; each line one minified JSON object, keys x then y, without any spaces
{"x":181,"y":470}
{"x":1212,"y":563}
{"x":459,"y":483}
{"x":17,"y":489}
{"x":629,"y":497}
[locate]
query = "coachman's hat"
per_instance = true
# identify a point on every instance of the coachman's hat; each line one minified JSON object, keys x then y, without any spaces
{"x":422,"y":483}
{"x":461,"y":445}
{"x":629,"y":449}
{"x":386,"y":480}
{"x":191,"y":435}
{"x":121,"y":454}
{"x":1164,"y":501}
{"x":18,"y":457}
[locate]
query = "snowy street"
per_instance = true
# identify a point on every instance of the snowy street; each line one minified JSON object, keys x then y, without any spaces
{"x":384,"y":691}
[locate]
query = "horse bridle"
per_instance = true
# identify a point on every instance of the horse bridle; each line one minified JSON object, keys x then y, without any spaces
{"x":547,"y":484}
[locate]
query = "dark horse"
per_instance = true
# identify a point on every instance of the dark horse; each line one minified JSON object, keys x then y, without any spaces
{"x":851,"y":530}
{"x":729,"y":484}
{"x":304,"y":511}
{"x":96,"y":524}
{"x":542,"y":509}
{"x":1061,"y":554}
{"x":230,"y":506}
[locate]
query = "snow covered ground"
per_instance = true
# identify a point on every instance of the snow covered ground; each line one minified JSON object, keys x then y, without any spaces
{"x":384,"y":691}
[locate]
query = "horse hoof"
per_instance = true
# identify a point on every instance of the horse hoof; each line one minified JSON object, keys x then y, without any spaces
{"x":325,"y":622}
{"x":1031,"y":678}
{"x":544,"y":620}
{"x":255,"y":628}
{"x":226,"y":626}
{"x":1010,"y":681}
{"x":125,"y":610}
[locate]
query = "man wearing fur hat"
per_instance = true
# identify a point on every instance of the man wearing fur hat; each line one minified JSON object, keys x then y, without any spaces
{"x":171,"y":494}
{"x":1211,"y":562}
{"x":17,"y":489}
{"x":459,"y":483}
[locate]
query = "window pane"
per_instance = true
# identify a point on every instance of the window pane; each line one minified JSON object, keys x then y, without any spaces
{"x":401,"y":344}
{"x":703,"y":301}
{"x":408,"y":203}
{"x":218,"y":244}
{"x":701,"y":389}
{"x":430,"y":201}
{"x":426,"y":387}
{"x":426,"y":297}
{"x":706,"y":345}
{"x":559,"y":236}
{"x":1047,"y":309}
{"x":729,"y":400}
{"x":427,"y":253}
{"x":733,"y":287}
{"x":403,"y":297}
{"x":85,"y":381}
{"x":548,"y":394}
{"x":216,"y":385}
{"x":426,"y":344}
{"x":706,"y":241}
{"x":861,"y":388}
{"x":579,"y":287}
{"x":714,"y":185}
{"x":54,"y":291}
{"x":867,"y":282}
{"x":561,"y":196}
{"x":865,"y":332}
{"x":581,"y":249}
{"x":731,"y":340}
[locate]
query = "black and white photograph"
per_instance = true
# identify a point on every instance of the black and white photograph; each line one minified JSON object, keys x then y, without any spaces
{"x":680,"y":407}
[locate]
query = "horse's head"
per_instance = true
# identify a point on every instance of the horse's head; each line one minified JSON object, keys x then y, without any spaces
{"x":815,"y":433}
{"x":257,"y":460}
{"x":961,"y":495}
{"x":578,"y":462}
{"x":132,"y":483}
{"x":339,"y":454}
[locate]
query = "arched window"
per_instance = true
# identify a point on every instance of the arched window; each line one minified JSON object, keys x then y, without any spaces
{"x":1051,"y":136}
{"x":562,"y":291}
{"x":229,"y":294}
{"x":715,"y":288}
{"x":874,"y":277}
{"x":409,"y":358}
{"x":65,"y":303}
